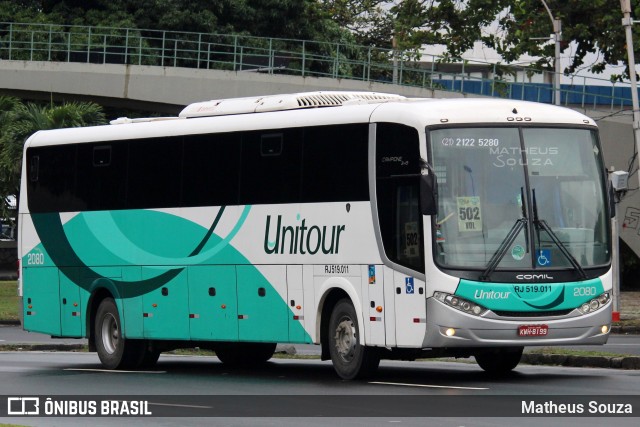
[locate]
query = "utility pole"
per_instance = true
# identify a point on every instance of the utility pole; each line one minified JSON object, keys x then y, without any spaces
{"x":557,"y":36}
{"x":627,"y":22}
{"x":394,"y":46}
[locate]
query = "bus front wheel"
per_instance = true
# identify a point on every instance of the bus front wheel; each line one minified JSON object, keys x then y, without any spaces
{"x":114,"y":351}
{"x":499,"y":360}
{"x":349,"y":357}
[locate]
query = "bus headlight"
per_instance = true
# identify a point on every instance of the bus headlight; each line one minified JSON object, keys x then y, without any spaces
{"x":595,"y":304}
{"x":460,"y":303}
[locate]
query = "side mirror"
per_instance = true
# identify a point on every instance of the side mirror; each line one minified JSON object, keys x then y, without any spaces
{"x":611,"y":199}
{"x":429,"y":194}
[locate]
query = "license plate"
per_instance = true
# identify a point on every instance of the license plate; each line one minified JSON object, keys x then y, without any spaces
{"x":533,"y":330}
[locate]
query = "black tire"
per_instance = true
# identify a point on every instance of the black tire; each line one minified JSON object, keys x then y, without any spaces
{"x":499,"y":361}
{"x":350,"y":359}
{"x":245,"y":354}
{"x":148,"y":357}
{"x":114,"y":351}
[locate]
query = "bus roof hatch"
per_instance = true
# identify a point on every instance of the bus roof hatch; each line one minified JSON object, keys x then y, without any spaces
{"x":260,"y":104}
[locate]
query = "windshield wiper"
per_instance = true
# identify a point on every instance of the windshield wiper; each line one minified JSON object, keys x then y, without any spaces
{"x":502,"y":249}
{"x":507,"y":241}
{"x":541,"y":223}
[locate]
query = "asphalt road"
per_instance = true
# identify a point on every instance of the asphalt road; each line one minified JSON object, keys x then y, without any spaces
{"x":308,"y":393}
{"x":620,"y":344}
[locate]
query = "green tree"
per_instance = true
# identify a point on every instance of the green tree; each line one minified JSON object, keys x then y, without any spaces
{"x":370,"y":21}
{"x":296,"y":19}
{"x":588,"y":26}
{"x":515,"y":28}
{"x":18,"y":121}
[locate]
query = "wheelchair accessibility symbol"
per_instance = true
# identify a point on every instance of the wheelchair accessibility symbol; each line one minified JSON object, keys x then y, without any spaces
{"x":408,"y":284}
{"x":544,"y":257}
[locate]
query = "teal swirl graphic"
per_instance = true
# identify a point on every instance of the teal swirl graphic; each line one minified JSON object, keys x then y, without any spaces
{"x":152,"y":239}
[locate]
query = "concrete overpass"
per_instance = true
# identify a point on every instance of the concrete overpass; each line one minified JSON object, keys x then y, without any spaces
{"x":168,"y":89}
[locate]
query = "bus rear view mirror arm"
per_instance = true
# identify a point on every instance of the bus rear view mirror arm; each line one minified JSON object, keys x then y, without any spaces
{"x":429,"y":194}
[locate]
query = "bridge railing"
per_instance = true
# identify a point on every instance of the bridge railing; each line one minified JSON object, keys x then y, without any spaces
{"x":106,"y":45}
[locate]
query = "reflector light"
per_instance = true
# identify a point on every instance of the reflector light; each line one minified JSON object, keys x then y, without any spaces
{"x":379,"y":309}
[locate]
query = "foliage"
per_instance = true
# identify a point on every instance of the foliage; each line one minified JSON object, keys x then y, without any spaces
{"x":588,"y":26}
{"x":516,"y":28}
{"x":512,"y":27}
{"x":296,"y":19}
{"x":371,"y":22}
{"x":18,"y":121}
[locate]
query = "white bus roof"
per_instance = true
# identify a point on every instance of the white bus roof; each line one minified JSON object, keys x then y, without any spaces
{"x":297,"y":110}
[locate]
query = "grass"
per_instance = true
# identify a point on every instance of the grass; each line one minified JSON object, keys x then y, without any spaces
{"x":8,"y":300}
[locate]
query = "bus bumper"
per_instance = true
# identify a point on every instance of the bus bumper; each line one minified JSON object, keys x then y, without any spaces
{"x":448,"y":327}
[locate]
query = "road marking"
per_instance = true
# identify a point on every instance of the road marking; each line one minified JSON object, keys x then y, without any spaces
{"x":110,"y":371}
{"x":429,"y":386}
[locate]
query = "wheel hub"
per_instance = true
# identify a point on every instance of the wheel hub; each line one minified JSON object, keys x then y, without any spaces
{"x":110,"y":333}
{"x":346,"y":339}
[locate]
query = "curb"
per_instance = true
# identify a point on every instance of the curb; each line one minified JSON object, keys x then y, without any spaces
{"x":624,"y":362}
{"x":9,"y":323}
{"x":43,"y":347}
{"x":625,"y":330}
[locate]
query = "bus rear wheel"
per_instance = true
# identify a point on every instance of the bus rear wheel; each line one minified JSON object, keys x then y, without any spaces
{"x":350,"y":358}
{"x":114,"y":351}
{"x":147,"y":356}
{"x":499,"y":361}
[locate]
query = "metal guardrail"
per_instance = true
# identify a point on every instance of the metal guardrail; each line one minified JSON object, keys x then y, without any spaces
{"x":106,"y":45}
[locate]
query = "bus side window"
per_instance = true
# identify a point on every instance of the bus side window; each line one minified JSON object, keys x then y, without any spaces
{"x":271,"y":144}
{"x":34,"y":166}
{"x":102,"y":156}
{"x":270,"y":169}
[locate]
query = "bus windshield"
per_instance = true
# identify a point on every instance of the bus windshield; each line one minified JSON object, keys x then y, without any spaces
{"x":519,"y":198}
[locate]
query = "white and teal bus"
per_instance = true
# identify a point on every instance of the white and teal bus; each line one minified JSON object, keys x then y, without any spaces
{"x":377,"y":226}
